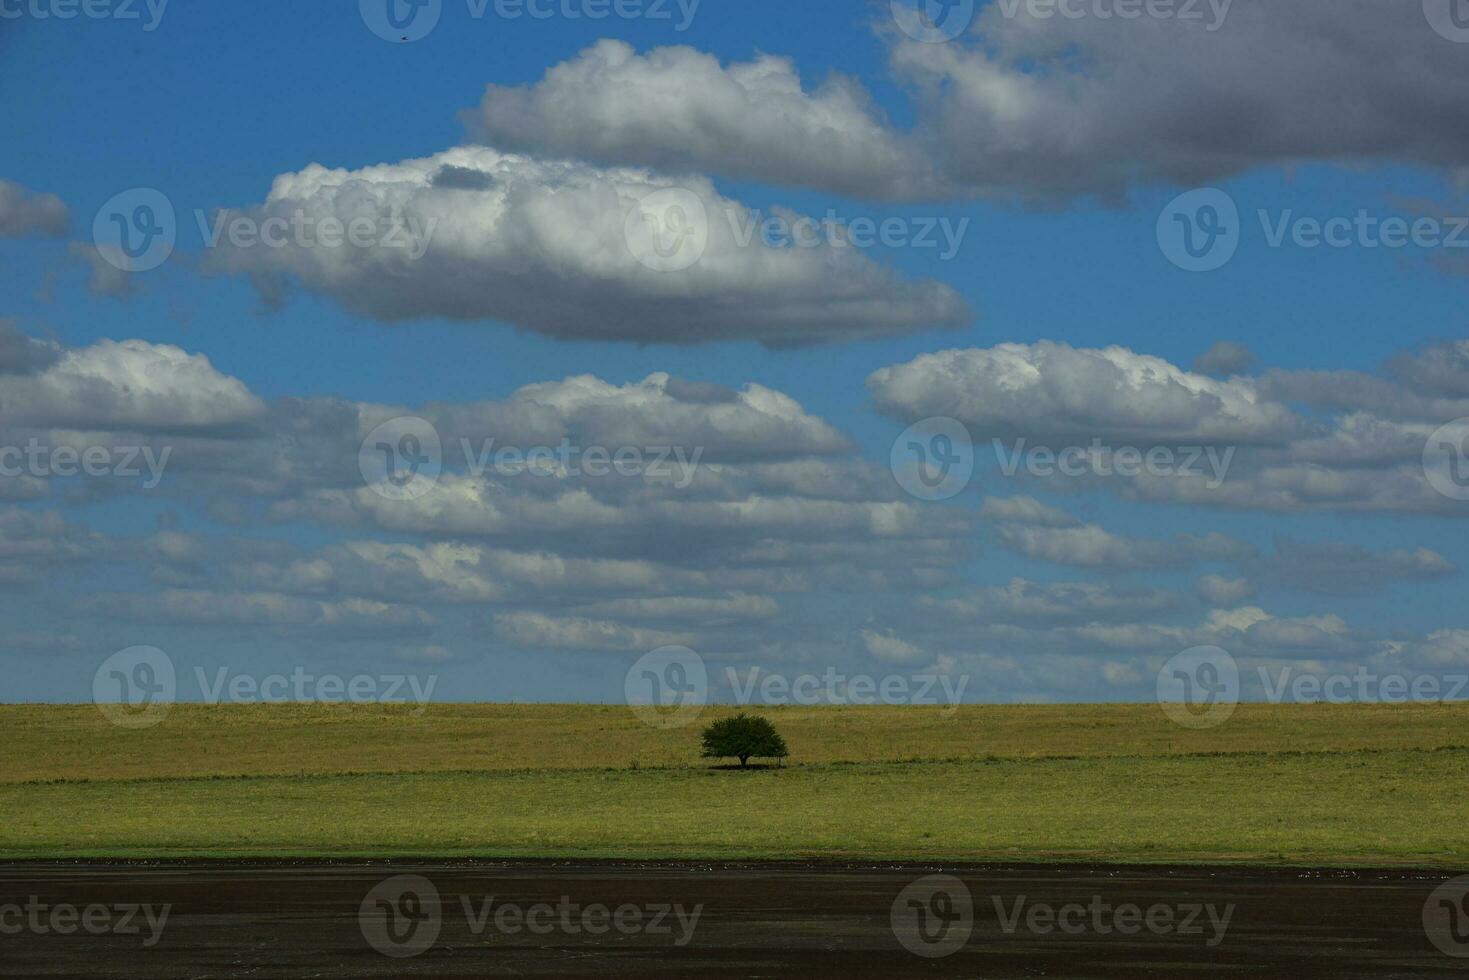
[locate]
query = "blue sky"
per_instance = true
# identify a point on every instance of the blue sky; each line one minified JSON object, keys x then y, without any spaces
{"x":217,"y":101}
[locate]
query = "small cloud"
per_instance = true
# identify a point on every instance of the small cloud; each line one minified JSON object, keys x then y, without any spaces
{"x":428,"y":654}
{"x":1217,"y":590}
{"x":1025,"y":510}
{"x":24,"y":212}
{"x":890,"y":648}
{"x":105,"y":278}
{"x":1225,"y":359}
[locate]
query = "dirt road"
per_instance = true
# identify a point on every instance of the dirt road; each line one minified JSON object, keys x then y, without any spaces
{"x":560,"y":919}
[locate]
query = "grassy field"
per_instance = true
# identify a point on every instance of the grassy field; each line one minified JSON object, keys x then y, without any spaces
{"x":1367,"y":784}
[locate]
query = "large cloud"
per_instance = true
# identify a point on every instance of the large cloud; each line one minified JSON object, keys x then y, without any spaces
{"x":677,"y":108}
{"x":740,"y":515}
{"x":1286,"y":441}
{"x":1338,"y":568}
{"x":1053,"y":106}
{"x":1056,"y":393}
{"x":539,"y":631}
{"x":258,"y":609}
{"x":1032,"y":103}
{"x":1024,"y":602}
{"x":22,"y":354}
{"x":1090,"y":546}
{"x":122,"y":385}
{"x":774,"y":503}
{"x":221,"y":437}
{"x":546,"y":245}
{"x":754,"y":422}
{"x":784,"y":548}
{"x":1442,"y":369}
{"x":34,"y":544}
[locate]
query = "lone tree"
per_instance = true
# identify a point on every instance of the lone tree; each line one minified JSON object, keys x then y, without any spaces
{"x":745,"y":738}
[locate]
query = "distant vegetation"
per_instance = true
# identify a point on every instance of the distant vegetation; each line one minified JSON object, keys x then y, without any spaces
{"x":743,"y":737}
{"x":1369,"y":784}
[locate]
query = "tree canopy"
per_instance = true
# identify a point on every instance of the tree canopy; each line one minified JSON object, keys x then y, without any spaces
{"x":744,"y":737}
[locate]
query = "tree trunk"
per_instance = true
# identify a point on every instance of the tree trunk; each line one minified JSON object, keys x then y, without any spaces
{"x":744,"y":759}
